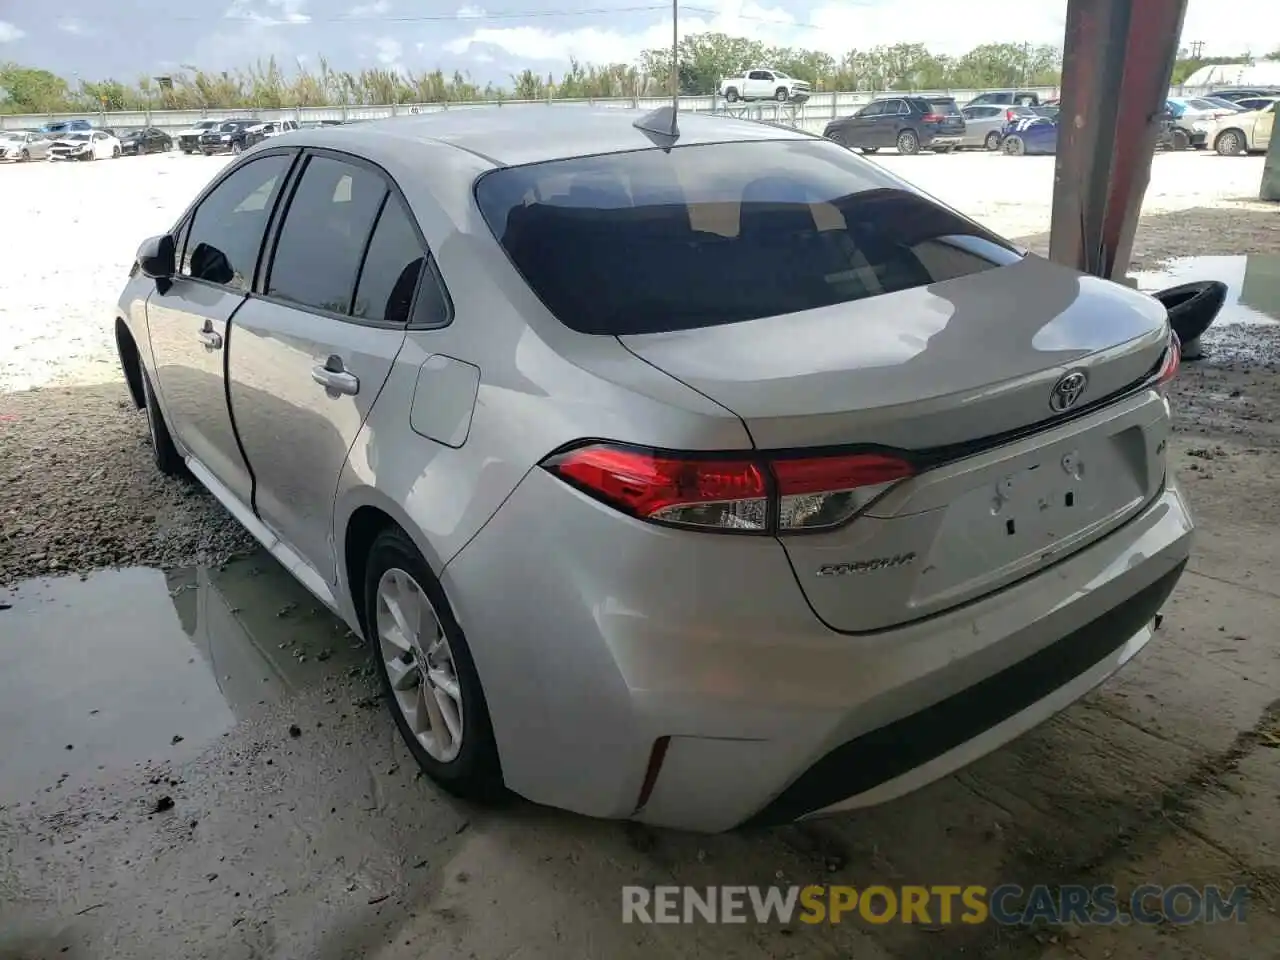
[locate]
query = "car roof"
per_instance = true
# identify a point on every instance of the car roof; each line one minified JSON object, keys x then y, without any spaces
{"x":517,"y":135}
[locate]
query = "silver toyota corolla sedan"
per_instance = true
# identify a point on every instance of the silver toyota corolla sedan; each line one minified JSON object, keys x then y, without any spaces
{"x":703,"y":480}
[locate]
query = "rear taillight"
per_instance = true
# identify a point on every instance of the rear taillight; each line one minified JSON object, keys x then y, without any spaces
{"x":1170,"y":362}
{"x":730,"y":493}
{"x":933,"y":118}
{"x":1009,"y":116}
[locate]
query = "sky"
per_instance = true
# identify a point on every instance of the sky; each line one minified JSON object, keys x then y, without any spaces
{"x":93,"y":39}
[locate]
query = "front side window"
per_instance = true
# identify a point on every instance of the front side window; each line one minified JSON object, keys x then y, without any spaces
{"x":324,"y":235}
{"x":226,"y":232}
{"x":648,"y":241}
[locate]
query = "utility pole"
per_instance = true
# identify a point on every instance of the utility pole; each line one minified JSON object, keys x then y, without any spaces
{"x":1197,"y":47}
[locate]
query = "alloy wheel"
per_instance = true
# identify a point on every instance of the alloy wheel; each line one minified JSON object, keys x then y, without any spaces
{"x":419,"y":664}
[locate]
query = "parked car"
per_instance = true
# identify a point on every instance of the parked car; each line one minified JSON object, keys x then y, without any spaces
{"x":1244,"y":132}
{"x":1035,"y":134}
{"x":1225,"y":104}
{"x":189,"y":139}
{"x":317,"y":124}
{"x":146,"y":140}
{"x":649,"y":517}
{"x":761,"y":84}
{"x":85,"y":145}
{"x":274,"y":128}
{"x":1256,"y":103}
{"x":1025,"y":98}
{"x":1194,"y":116}
{"x":1242,"y":93}
{"x":232,"y":136}
{"x":984,"y":125}
{"x":59,"y":127}
{"x":908,"y":123}
{"x":22,"y":145}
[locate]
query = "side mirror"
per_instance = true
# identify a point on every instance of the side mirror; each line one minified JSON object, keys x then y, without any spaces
{"x":156,"y":257}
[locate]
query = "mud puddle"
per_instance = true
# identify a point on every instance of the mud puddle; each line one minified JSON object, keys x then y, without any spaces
{"x":1253,"y":284}
{"x":135,"y":665}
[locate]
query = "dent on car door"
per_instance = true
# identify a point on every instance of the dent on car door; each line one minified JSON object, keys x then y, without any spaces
{"x":314,"y":346}
{"x":189,"y":319}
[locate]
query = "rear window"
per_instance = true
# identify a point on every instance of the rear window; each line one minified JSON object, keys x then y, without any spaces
{"x":947,"y":107}
{"x":654,"y":241}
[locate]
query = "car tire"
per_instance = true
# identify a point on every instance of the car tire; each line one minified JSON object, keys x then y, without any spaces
{"x":908,"y":143}
{"x":396,"y":575}
{"x":115,"y":153}
{"x":731,"y":95}
{"x":1013,"y":145}
{"x":26,"y":155}
{"x":1179,"y":140}
{"x":1230,"y":143}
{"x":168,"y":460}
{"x":992,"y":142}
{"x":782,"y":95}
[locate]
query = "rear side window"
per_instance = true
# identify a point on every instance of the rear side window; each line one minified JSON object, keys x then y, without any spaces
{"x":391,"y":268}
{"x":649,"y":241}
{"x":325,"y":231}
{"x":947,"y":107}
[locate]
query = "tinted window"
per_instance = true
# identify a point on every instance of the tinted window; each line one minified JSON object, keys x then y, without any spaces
{"x":946,"y":106}
{"x":391,"y":268}
{"x":324,"y":235}
{"x":871,"y":110}
{"x":650,"y":241}
{"x":226,"y":234}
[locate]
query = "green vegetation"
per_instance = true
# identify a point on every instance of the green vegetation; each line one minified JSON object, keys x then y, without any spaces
{"x":703,"y":60}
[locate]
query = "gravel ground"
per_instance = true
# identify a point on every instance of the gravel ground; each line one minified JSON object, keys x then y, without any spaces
{"x":79,"y":491}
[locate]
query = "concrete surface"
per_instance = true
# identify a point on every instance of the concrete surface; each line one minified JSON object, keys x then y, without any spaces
{"x":295,"y":826}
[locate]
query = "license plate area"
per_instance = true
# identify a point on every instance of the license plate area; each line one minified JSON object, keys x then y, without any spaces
{"x":1035,"y":510}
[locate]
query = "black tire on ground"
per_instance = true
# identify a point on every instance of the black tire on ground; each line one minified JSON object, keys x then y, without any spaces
{"x":782,"y":95}
{"x":1230,"y":143}
{"x":115,"y":153}
{"x":168,"y":460}
{"x":1193,"y":306}
{"x":1180,"y":140}
{"x":475,"y":773}
{"x":26,"y":155}
{"x":731,"y":95}
{"x":992,"y":142}
{"x":1013,"y":145}
{"x":908,"y":143}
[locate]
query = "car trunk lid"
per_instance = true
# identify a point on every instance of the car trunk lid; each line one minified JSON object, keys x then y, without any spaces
{"x":959,"y":374}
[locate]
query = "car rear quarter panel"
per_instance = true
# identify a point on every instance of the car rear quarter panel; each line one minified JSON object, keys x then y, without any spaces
{"x":541,"y":384}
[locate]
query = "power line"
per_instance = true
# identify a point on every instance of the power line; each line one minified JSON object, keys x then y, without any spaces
{"x":450,"y":18}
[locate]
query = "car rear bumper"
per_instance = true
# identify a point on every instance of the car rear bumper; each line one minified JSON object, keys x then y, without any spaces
{"x":599,"y":637}
{"x":944,"y":140}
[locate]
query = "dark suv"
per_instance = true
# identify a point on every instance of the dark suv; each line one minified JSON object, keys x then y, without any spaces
{"x":1007,"y":98}
{"x":233,"y":136}
{"x":908,"y":123}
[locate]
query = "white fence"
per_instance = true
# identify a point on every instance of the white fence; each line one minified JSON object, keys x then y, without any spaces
{"x":811,"y":115}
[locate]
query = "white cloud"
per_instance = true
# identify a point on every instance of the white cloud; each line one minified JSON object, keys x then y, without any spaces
{"x":836,"y":26}
{"x":389,"y":50}
{"x":270,"y":13}
{"x":9,"y":33}
{"x":74,"y":26}
{"x":375,"y":9}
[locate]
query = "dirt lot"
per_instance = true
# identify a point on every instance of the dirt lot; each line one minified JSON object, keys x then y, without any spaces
{"x":192,"y":764}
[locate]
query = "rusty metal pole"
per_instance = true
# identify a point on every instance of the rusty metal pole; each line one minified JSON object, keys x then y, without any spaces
{"x":1117,"y":62}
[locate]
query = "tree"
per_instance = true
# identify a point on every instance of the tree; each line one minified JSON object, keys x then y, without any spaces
{"x":31,"y":90}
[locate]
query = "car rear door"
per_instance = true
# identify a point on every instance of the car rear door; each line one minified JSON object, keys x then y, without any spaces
{"x":894,"y":115}
{"x":315,"y":343}
{"x":218,"y":247}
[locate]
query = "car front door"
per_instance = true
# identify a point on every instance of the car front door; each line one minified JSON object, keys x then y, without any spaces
{"x":758,"y":84}
{"x":889,"y":123}
{"x":314,"y":346}
{"x":218,"y":247}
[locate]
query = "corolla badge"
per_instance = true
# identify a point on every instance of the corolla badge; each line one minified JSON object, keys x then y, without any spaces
{"x":855,"y":567}
{"x":1067,"y":391}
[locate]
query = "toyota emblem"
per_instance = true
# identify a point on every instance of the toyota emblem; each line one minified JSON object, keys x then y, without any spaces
{"x":1067,"y":391}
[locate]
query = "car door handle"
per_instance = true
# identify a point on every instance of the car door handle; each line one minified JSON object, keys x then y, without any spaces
{"x":211,"y":339}
{"x":332,"y":375}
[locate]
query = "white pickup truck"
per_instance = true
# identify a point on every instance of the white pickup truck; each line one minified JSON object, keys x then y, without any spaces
{"x":762,"y":84}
